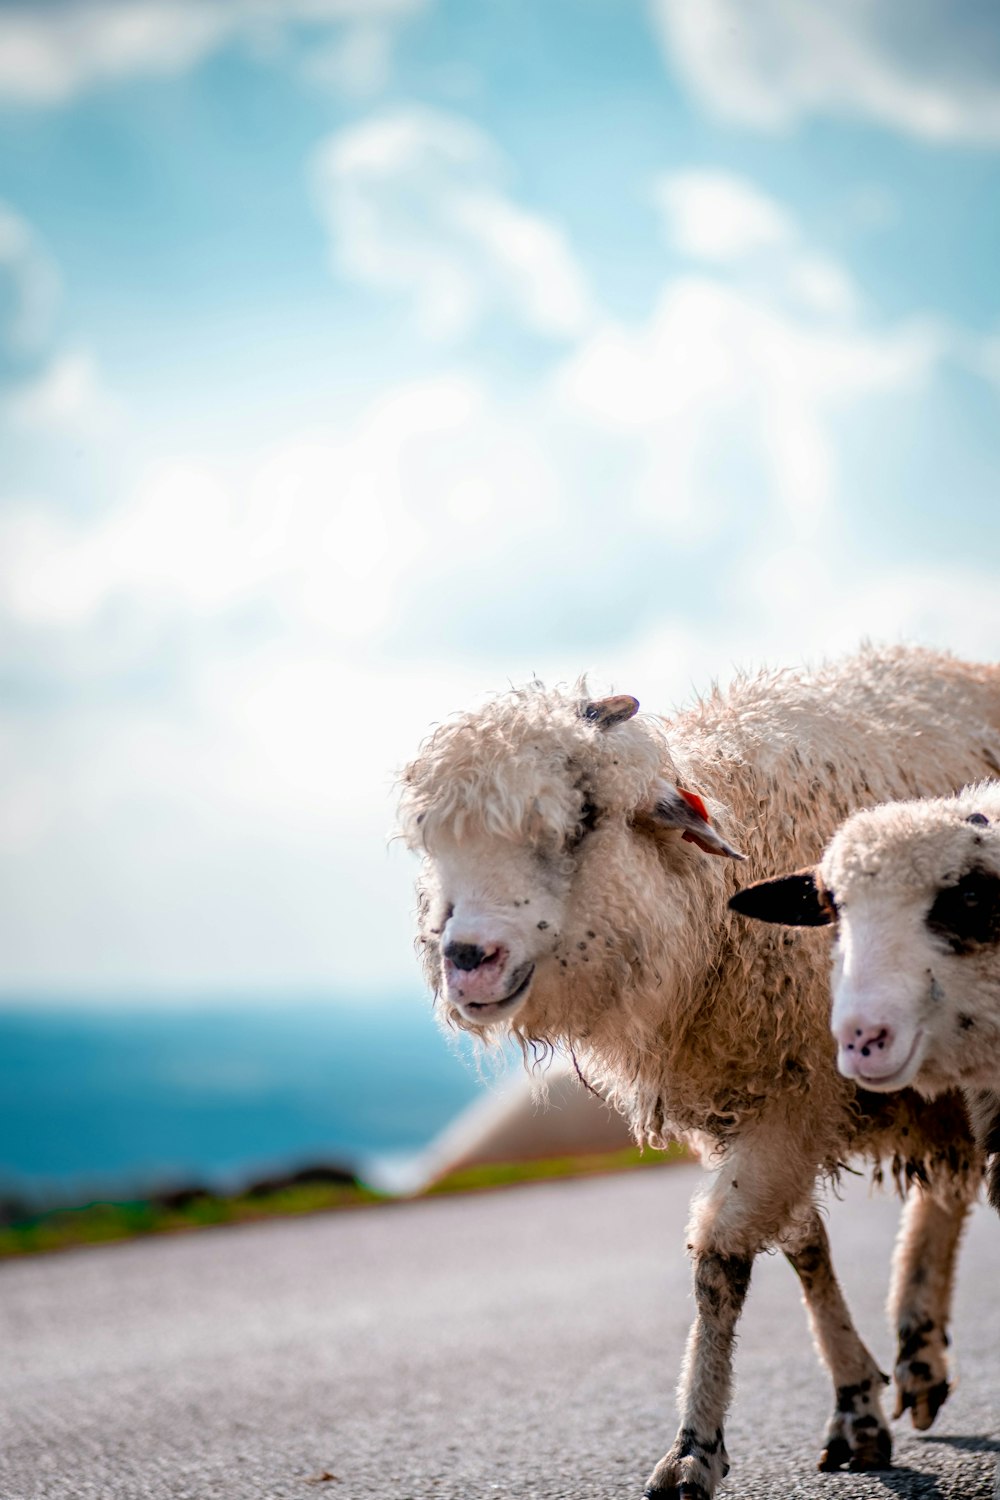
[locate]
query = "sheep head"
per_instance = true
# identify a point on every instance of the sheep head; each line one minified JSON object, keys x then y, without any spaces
{"x":540,"y":819}
{"x":913,"y":889}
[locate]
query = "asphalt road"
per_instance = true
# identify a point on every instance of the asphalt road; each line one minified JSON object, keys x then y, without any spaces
{"x":522,"y":1344}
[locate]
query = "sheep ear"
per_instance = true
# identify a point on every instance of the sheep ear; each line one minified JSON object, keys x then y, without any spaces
{"x":607,"y":712}
{"x":796,"y":900}
{"x":673,"y":807}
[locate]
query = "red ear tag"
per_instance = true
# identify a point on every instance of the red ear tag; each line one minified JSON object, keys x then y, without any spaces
{"x":695,"y":803}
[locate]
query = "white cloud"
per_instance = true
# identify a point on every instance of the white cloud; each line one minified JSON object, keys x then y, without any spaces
{"x":236,"y":839}
{"x":725,"y":220}
{"x":29,"y":288}
{"x":720,"y":383}
{"x":715,"y":216}
{"x":51,"y":53}
{"x":324,"y":529}
{"x":43,"y":389}
{"x":923,"y":68}
{"x":68,"y":396}
{"x":415,"y":203}
{"x":821,"y":284}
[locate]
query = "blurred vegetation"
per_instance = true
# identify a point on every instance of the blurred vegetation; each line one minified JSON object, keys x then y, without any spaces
{"x":307,"y":1192}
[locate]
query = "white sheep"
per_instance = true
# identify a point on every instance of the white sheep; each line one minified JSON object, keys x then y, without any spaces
{"x":566,"y":899}
{"x":914,"y":891}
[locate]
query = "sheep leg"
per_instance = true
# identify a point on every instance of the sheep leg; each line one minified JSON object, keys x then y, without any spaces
{"x":920,"y":1300}
{"x":857,"y":1435}
{"x":698,"y":1459}
{"x":749,"y":1202}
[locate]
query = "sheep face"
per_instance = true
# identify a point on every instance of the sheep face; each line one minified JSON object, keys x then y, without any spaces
{"x":916,"y":968}
{"x":494,"y":913}
{"x":914,"y":891}
{"x":520,"y":811}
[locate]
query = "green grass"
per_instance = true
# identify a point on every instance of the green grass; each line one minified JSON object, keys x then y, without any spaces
{"x":102,"y":1223}
{"x":504,"y":1174}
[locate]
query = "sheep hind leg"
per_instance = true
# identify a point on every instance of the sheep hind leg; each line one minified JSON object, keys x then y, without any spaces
{"x":857,"y":1435}
{"x":920,"y":1300}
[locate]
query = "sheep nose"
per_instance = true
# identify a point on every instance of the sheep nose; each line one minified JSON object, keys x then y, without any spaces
{"x":864,"y":1039}
{"x":466,"y":956}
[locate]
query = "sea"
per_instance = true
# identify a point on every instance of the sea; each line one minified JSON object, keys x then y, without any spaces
{"x":121,"y":1098}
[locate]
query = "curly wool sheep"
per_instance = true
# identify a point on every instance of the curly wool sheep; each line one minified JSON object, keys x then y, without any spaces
{"x":913,"y":889}
{"x":577,"y":866}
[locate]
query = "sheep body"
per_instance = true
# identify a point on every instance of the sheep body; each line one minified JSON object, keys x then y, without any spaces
{"x":560,"y":903}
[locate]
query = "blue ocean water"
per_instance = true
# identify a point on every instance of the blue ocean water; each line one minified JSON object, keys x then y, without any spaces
{"x":117,"y":1098}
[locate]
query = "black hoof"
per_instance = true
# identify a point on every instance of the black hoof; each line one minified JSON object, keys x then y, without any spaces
{"x":935,"y":1398}
{"x":881,"y":1458}
{"x":835,"y":1455}
{"x":923,"y":1405}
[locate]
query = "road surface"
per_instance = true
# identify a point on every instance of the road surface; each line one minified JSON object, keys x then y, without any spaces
{"x":521,"y":1344}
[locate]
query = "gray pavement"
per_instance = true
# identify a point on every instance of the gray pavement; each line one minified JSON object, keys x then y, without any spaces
{"x":520,"y":1344}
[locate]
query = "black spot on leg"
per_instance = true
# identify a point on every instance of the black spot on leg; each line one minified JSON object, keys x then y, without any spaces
{"x":542,"y":926}
{"x":965,"y":1023}
{"x":720,"y":1280}
{"x":807,"y":1263}
{"x":850,"y":1396}
{"x":912,"y":1340}
{"x":692,"y":1446}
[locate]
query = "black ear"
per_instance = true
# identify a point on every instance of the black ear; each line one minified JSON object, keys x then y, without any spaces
{"x":795,"y":900}
{"x":607,"y":712}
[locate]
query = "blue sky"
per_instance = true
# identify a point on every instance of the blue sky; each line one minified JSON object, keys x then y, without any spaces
{"x":360,"y":356}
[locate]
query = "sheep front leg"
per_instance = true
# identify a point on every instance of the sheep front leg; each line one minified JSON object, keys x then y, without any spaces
{"x":920,"y":1300}
{"x":748,"y":1202}
{"x":698,"y":1460}
{"x":857,"y":1435}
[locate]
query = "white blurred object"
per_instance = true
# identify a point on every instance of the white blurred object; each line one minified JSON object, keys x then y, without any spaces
{"x":513,"y":1122}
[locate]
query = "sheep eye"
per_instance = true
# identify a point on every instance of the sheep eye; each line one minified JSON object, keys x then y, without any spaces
{"x":967,"y":914}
